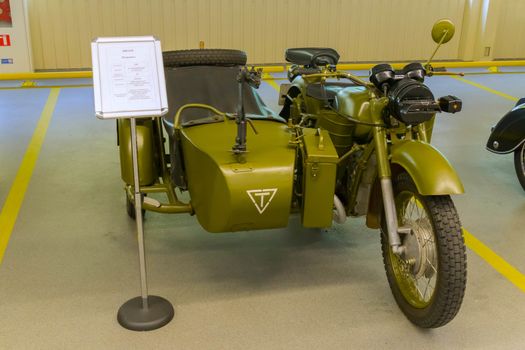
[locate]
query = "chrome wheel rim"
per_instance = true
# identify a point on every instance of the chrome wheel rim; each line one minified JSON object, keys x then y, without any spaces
{"x":416,"y":271}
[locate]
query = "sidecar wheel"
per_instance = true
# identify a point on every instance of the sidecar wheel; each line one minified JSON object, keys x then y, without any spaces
{"x":428,"y":281}
{"x":519,"y":164}
{"x":130,"y":208}
{"x":204,"y":57}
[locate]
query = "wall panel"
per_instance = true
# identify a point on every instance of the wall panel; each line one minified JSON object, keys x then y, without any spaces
{"x":360,"y":30}
{"x":510,"y":41}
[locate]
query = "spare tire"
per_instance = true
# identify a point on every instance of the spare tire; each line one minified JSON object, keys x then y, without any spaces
{"x":204,"y":57}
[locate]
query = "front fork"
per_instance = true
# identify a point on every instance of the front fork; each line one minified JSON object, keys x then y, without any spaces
{"x":385,"y":176}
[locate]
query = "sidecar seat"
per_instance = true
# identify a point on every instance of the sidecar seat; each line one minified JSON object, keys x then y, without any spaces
{"x":214,"y":85}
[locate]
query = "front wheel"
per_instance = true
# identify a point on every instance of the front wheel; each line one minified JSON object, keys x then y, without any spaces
{"x":428,"y":281}
{"x":519,"y":163}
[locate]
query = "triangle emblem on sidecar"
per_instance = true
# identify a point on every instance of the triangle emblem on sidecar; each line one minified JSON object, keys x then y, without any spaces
{"x":262,"y":198}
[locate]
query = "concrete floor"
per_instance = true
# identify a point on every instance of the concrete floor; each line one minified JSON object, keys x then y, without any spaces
{"x":72,"y":260}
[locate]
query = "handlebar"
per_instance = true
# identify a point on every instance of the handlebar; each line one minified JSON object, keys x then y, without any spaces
{"x":431,"y":73}
{"x":338,"y":75}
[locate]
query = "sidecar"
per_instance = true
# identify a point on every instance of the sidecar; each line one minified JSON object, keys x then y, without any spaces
{"x":191,"y":150}
{"x":337,"y":149}
{"x":508,"y":135}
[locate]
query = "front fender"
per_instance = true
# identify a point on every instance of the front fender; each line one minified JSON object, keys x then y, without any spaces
{"x":430,"y":170}
{"x":509,"y":133}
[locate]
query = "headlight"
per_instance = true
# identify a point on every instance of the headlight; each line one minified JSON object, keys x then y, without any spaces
{"x":415,"y":71}
{"x":411,"y":102}
{"x":382,"y":74}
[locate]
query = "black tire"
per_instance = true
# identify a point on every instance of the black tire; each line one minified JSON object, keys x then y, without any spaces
{"x":204,"y":57}
{"x":519,"y":164}
{"x":130,"y":208}
{"x":444,"y":245}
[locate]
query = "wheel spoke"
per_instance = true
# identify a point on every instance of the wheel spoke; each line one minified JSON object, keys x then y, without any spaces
{"x":412,"y":207}
{"x":432,"y":266}
{"x":418,"y":287}
{"x":426,"y":288}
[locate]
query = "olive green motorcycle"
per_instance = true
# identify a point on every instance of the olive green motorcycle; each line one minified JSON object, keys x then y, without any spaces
{"x":386,"y":169}
{"x":337,"y":149}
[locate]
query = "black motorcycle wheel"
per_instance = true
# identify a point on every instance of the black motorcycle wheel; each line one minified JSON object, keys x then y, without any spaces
{"x":519,"y":164}
{"x":204,"y":57}
{"x":130,"y":208}
{"x":428,"y":281}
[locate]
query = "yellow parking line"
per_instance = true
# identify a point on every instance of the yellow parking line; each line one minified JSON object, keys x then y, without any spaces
{"x":45,"y":87}
{"x":494,"y":260}
{"x":486,"y":88}
{"x":16,"y":195}
{"x":270,"y":80}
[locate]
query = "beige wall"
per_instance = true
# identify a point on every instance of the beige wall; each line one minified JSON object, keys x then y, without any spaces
{"x":361,"y":30}
{"x":510,"y":33}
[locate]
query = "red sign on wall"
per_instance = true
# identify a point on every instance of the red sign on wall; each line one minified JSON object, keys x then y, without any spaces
{"x":5,"y":40}
{"x":5,"y":14}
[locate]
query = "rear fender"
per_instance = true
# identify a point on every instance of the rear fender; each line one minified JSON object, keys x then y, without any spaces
{"x":292,"y":92}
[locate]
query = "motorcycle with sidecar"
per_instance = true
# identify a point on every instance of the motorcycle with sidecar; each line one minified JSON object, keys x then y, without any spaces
{"x":338,"y":149}
{"x":508,"y":136}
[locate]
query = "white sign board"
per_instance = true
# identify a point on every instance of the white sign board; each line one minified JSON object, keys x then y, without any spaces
{"x":128,"y":77}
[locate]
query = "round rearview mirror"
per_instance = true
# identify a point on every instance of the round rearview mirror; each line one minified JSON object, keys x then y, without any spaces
{"x":442,"y":31}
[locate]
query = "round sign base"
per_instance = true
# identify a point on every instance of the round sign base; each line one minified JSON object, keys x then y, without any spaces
{"x":134,"y":316}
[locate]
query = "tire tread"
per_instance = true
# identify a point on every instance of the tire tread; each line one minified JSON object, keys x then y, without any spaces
{"x":204,"y":57}
{"x":452,"y":274}
{"x":518,"y":165}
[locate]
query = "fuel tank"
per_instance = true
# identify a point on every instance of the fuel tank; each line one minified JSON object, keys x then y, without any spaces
{"x":232,"y":192}
{"x":354,"y":102}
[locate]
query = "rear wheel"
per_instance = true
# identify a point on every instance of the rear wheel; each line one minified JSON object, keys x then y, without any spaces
{"x":428,"y":281}
{"x":204,"y":57}
{"x":130,"y":207}
{"x":519,"y":164}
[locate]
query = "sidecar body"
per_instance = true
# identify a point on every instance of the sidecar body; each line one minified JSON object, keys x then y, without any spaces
{"x":257,"y":189}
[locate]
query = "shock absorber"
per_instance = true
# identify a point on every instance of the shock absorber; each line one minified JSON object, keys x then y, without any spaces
{"x":385,"y":176}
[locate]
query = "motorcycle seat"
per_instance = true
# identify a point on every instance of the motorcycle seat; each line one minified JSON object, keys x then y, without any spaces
{"x":312,"y":56}
{"x":331,"y":89}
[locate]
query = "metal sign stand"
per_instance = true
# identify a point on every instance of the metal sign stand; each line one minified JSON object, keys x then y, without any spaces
{"x":145,"y":312}
{"x":128,"y":82}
